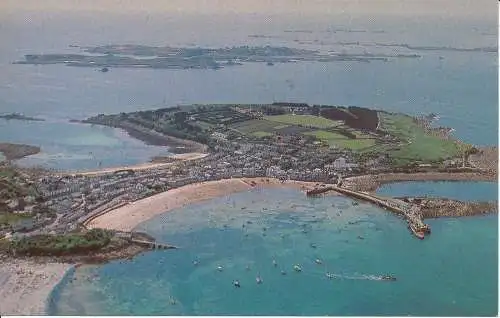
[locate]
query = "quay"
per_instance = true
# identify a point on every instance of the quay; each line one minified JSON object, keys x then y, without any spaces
{"x":145,"y":240}
{"x":410,"y":212}
{"x":153,"y":244}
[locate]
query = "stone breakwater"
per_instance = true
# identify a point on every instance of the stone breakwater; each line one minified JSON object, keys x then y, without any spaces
{"x":442,"y":207}
{"x":372,"y":182}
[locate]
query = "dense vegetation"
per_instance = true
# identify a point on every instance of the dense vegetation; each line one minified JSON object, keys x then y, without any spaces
{"x":63,"y":244}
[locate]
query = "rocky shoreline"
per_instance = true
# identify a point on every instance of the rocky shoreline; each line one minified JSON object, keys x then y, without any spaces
{"x":17,"y":151}
{"x":442,"y":207}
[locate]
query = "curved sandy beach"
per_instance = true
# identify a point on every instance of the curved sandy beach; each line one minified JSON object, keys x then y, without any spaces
{"x":26,"y":285}
{"x":127,"y":217}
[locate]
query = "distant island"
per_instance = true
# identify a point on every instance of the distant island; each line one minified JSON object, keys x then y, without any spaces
{"x":18,"y":116}
{"x":140,"y":56}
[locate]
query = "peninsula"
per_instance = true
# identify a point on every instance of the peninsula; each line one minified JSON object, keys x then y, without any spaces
{"x":17,"y":151}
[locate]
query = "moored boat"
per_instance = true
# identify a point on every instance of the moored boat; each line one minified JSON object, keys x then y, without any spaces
{"x":417,"y":232}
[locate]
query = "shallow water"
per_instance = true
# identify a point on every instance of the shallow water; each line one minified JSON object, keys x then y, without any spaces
{"x":457,"y":190}
{"x":71,"y":146}
{"x":437,"y":276}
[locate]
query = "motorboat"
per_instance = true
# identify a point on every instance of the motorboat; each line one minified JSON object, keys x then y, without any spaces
{"x":388,"y":277}
{"x":236,"y":283}
{"x":297,"y":268}
{"x":258,"y":279}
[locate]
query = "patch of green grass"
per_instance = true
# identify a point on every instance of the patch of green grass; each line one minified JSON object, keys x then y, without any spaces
{"x":257,"y":125}
{"x":417,"y":144}
{"x":304,"y":120}
{"x":280,"y":126}
{"x":11,"y":218}
{"x":261,"y":134}
{"x":64,"y":244}
{"x":341,"y":141}
{"x":325,"y":135}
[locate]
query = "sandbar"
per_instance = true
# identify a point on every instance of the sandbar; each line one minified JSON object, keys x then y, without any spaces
{"x":25,"y":285}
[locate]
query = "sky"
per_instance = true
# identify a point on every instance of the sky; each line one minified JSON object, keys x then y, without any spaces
{"x":443,"y":8}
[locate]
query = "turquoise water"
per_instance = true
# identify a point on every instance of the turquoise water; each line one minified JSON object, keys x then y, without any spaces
{"x":439,"y":276}
{"x":457,"y":190}
{"x":74,"y":146}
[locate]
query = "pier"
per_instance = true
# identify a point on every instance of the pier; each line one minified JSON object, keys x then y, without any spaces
{"x":145,"y":240}
{"x":410,"y":212}
{"x":153,"y":244}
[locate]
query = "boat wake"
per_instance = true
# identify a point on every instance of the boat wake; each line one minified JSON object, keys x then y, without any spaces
{"x":360,"y":277}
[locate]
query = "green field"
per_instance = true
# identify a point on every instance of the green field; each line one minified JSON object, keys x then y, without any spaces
{"x":11,"y":218}
{"x":252,"y":126}
{"x":304,"y":120}
{"x":261,"y":134}
{"x":418,"y":145}
{"x":341,"y":141}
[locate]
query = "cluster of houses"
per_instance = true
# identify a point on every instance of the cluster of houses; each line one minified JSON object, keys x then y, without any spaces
{"x":76,"y":197}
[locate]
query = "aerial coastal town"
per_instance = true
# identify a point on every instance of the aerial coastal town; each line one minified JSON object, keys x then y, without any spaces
{"x":326,"y":147}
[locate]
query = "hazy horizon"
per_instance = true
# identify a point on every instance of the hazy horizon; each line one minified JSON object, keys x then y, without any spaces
{"x":483,"y":9}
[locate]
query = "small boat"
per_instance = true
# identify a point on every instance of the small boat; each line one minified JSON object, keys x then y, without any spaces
{"x":220,"y":268}
{"x":297,"y":268}
{"x":236,"y":283}
{"x":283,"y":272}
{"x":318,"y":261}
{"x":360,"y":237}
{"x":275,"y":263}
{"x":388,"y":277}
{"x":247,"y":267}
{"x":195,"y":263}
{"x":329,"y":275}
{"x":354,"y":203}
{"x":104,"y":69}
{"x":258,"y":279}
{"x":418,"y":233}
{"x":312,"y":245}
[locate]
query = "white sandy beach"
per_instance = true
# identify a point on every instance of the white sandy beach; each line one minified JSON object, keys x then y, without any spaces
{"x":127,"y":217}
{"x":26,"y":285}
